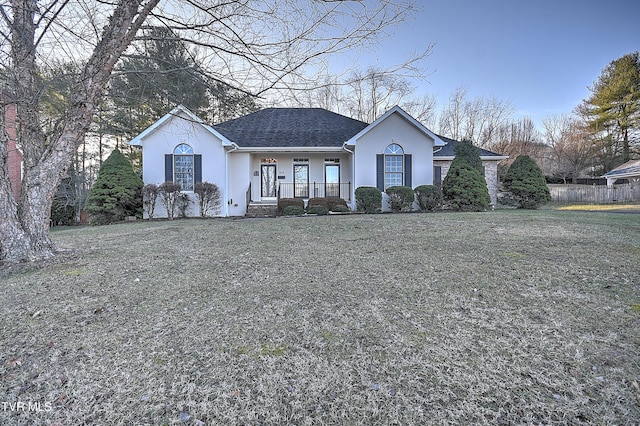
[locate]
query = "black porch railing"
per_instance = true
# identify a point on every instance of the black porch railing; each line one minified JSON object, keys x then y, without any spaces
{"x":248,"y":198}
{"x":314,"y":190}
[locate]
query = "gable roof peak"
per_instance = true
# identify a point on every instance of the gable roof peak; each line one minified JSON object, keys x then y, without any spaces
{"x":406,"y":116}
{"x":175,"y":112}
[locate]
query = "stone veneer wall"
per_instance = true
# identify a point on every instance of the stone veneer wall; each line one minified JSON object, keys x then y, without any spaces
{"x":490,"y":176}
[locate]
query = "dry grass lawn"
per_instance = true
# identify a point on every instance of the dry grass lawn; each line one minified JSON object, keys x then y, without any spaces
{"x":634,"y":208}
{"x":506,"y":317}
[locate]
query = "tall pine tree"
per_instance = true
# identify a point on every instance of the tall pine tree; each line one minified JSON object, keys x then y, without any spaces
{"x":162,"y":74}
{"x":613,"y":109}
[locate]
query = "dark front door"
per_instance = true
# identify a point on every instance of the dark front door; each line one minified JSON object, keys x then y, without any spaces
{"x":268,"y":179}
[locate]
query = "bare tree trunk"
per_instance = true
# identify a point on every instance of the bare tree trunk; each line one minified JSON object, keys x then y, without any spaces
{"x":24,"y":232}
{"x":13,"y":239}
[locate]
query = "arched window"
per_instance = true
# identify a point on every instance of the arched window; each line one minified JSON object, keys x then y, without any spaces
{"x":393,"y":165}
{"x":183,"y":166}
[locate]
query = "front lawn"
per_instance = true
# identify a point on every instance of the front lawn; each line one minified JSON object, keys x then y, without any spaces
{"x":505,"y":317}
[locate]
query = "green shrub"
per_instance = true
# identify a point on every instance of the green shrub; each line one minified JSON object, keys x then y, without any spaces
{"x":400,"y":198}
{"x":527,"y":183}
{"x":317,"y":209}
{"x":429,"y":197}
{"x":464,"y":150}
{"x":293,"y":210}
{"x":318,"y":201}
{"x":283,"y":203}
{"x":62,"y":214}
{"x":368,"y":199}
{"x":117,"y":192}
{"x":464,"y":188}
{"x":340,"y":209}
{"x":329,"y":202}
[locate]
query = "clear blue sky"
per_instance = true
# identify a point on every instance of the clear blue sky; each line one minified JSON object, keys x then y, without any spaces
{"x":540,"y":55}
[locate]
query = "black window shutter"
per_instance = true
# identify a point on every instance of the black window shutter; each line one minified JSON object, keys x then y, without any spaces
{"x":407,"y":170}
{"x":168,"y":167}
{"x":197,"y":168}
{"x":437,"y":176}
{"x":380,"y":171}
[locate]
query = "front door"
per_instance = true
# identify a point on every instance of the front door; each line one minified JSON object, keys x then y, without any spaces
{"x":332,"y":180}
{"x":268,"y":180}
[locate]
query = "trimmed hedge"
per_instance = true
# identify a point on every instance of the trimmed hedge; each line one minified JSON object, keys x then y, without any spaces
{"x":341,"y":209}
{"x":283,"y":203}
{"x":400,"y":198}
{"x":292,"y":210}
{"x":329,"y":203}
{"x":368,"y":199}
{"x":317,"y":209}
{"x":428,"y":197}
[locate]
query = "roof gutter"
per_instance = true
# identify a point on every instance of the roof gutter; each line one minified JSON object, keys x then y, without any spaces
{"x":482,"y":157}
{"x":353,"y":174}
{"x":234,"y":147}
{"x":318,"y":149}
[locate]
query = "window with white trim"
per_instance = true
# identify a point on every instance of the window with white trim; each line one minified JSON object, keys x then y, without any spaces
{"x":183,"y":166}
{"x":393,"y":165}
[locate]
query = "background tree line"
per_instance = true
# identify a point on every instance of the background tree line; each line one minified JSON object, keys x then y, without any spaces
{"x":160,"y":73}
{"x":597,"y":136}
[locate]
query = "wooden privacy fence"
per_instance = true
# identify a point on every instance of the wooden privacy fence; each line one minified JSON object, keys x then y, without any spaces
{"x":600,"y":194}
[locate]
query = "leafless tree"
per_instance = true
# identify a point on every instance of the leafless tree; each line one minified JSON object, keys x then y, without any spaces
{"x":367,"y":94}
{"x":259,"y":46}
{"x":476,"y":119}
{"x":571,"y":145}
{"x":519,"y":137}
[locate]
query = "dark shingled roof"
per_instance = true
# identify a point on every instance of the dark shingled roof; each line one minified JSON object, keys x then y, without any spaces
{"x":291,"y":127}
{"x":448,"y":149}
{"x":629,"y":168}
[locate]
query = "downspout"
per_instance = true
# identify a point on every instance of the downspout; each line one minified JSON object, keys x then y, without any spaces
{"x":234,"y":147}
{"x":353,"y":175}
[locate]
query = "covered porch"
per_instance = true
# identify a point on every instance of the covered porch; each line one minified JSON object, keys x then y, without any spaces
{"x":300,"y":175}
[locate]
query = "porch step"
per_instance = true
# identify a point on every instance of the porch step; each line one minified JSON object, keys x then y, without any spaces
{"x":262,"y":210}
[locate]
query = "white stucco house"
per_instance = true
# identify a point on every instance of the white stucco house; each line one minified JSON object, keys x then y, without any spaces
{"x":295,"y":152}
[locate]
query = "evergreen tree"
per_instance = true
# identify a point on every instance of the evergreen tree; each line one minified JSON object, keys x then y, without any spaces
{"x":465,"y":150}
{"x":161,"y":75}
{"x":464,"y":187}
{"x":117,"y":192}
{"x":613,"y":109}
{"x":527,"y":183}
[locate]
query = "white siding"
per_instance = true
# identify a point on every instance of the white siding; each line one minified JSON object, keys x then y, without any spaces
{"x":239,"y":178}
{"x":394,"y":129}
{"x":177,"y":130}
